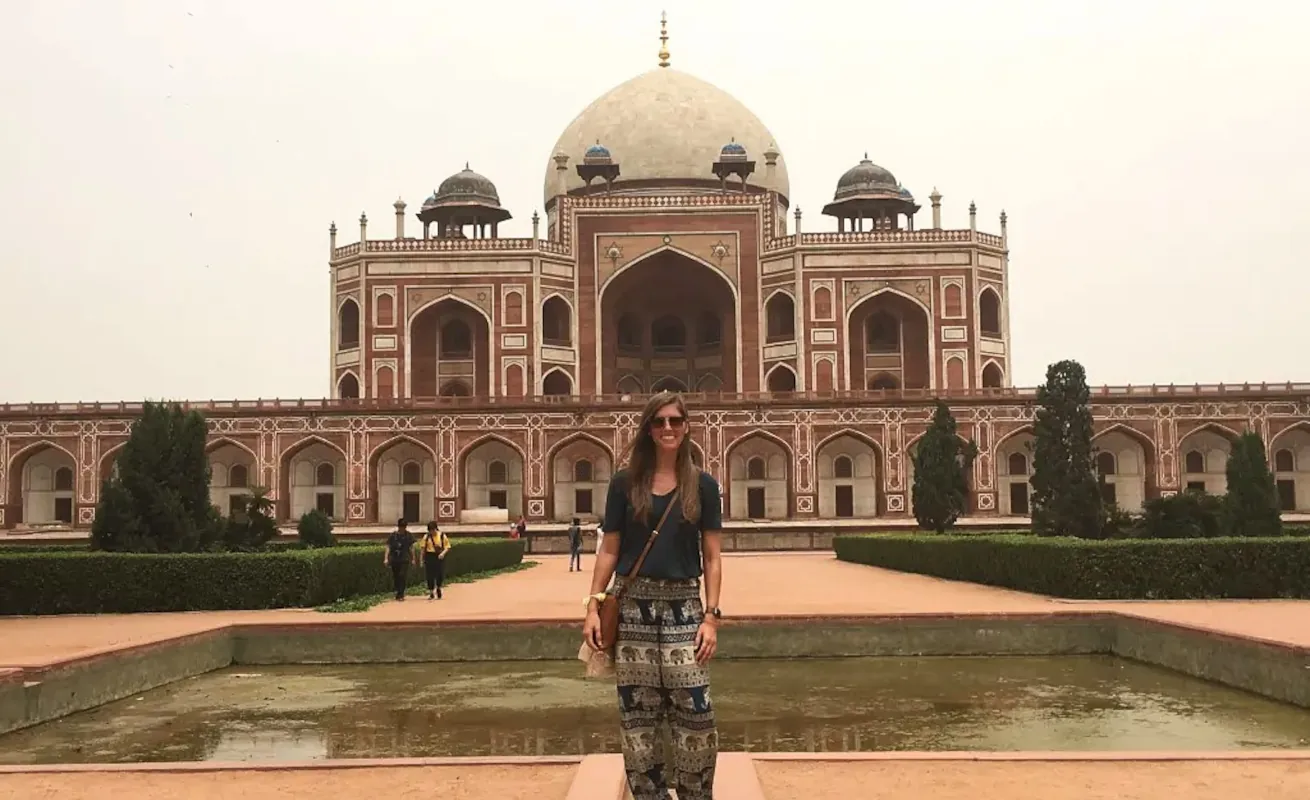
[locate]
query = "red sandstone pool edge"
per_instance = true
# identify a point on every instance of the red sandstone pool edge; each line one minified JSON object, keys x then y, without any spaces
{"x":600,"y":776}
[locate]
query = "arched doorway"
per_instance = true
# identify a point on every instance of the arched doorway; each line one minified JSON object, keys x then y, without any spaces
{"x":668,"y":316}
{"x":847,"y":469}
{"x":449,"y":351}
{"x":313,"y":477}
{"x":493,"y":477}
{"x":404,"y":479}
{"x":232,"y":475}
{"x":889,"y":342}
{"x":1014,"y":470}
{"x":1124,"y":464}
{"x":348,"y":325}
{"x":757,"y":479}
{"x":1203,"y":454}
{"x":581,"y":471}
{"x":557,"y":383}
{"x":43,"y":486}
{"x":1291,"y":467}
{"x":348,"y":387}
{"x":556,"y":322}
{"x":781,"y":379}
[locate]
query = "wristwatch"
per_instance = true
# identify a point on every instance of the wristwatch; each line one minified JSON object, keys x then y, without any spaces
{"x":598,"y":597}
{"x":715,"y":612}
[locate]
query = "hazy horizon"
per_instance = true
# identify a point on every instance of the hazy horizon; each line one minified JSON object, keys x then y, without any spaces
{"x":173,"y":165}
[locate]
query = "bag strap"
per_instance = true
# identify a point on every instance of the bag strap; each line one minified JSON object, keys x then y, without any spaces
{"x":655,"y":532}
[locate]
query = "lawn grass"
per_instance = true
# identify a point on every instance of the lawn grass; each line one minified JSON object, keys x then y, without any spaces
{"x":366,"y":601}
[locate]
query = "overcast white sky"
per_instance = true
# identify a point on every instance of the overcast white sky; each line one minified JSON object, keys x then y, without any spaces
{"x":169,"y":167}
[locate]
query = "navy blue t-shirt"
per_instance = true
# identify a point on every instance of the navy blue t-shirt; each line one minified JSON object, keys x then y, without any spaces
{"x":676,"y":553}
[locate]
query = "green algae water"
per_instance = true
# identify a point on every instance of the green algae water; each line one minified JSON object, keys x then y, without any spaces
{"x":297,"y":713}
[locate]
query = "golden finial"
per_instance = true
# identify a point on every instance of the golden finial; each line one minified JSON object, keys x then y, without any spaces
{"x":664,"y":39}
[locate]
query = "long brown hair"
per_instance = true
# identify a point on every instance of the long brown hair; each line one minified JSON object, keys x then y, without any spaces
{"x":640,"y":455}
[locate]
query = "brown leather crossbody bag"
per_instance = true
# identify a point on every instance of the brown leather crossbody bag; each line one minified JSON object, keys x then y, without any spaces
{"x":609,"y":607}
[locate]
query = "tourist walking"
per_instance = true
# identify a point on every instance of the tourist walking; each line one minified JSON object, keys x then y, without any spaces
{"x":575,"y":544}
{"x":435,"y":546}
{"x":399,"y":552}
{"x":666,"y":634}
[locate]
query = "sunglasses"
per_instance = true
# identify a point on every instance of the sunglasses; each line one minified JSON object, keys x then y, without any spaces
{"x":673,"y":422}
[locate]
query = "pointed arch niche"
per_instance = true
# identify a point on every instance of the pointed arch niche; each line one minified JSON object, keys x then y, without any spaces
{"x":668,"y":314}
{"x":889,"y":346}
{"x":1014,"y":470}
{"x":1203,"y":459}
{"x":314,"y":477}
{"x":493,"y":477}
{"x":404,"y":481}
{"x":847,"y":467}
{"x":1124,"y":461}
{"x":448,"y":350}
{"x":581,"y":468}
{"x":43,"y":485}
{"x":1291,"y":468}
{"x":232,"y":474}
{"x":758,"y":478}
{"x":781,"y":378}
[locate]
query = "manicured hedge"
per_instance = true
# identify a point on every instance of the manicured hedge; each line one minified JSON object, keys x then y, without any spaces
{"x":83,"y":582}
{"x":1098,"y":569}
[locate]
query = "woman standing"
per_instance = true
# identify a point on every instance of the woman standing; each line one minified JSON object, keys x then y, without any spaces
{"x":666,"y":635}
{"x":435,"y":546}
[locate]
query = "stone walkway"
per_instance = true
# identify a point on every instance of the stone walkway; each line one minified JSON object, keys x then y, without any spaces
{"x":766,"y":584}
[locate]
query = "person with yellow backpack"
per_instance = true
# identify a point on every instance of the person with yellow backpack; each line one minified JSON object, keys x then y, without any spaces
{"x":435,"y":546}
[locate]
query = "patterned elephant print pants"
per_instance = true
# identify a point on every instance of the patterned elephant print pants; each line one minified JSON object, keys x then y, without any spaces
{"x":659,"y":679}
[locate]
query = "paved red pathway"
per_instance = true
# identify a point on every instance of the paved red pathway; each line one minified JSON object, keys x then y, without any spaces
{"x":782,"y":584}
{"x":785,"y":584}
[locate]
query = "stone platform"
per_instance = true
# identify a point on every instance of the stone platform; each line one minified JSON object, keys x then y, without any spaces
{"x":760,"y":590}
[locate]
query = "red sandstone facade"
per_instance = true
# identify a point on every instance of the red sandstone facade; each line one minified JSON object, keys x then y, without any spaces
{"x":474,"y":372}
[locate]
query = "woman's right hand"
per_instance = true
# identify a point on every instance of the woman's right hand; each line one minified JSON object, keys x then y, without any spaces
{"x":591,"y":630}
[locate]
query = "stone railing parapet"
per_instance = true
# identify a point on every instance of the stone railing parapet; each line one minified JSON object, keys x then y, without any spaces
{"x":1172,"y":392}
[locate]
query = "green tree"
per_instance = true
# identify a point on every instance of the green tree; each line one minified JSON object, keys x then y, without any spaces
{"x":1251,"y":505}
{"x":251,"y":525}
{"x":158,"y":500}
{"x":315,"y":529}
{"x":1066,"y":495}
{"x":941,"y":468}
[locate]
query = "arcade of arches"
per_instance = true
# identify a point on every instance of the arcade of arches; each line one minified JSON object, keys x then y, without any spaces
{"x":1123,"y":462}
{"x":888,"y":335}
{"x":668,"y":322}
{"x":401,"y":478}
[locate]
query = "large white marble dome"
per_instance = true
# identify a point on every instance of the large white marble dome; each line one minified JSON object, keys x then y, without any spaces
{"x":665,"y":125}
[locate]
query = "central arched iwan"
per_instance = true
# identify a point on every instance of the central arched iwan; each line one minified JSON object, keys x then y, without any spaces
{"x":670,"y":318}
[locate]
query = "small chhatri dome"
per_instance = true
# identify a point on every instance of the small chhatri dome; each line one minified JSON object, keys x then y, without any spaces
{"x":465,"y":198}
{"x":869,"y":192}
{"x":597,"y":154}
{"x":465,"y":186}
{"x":866,"y":178}
{"x":732,"y":151}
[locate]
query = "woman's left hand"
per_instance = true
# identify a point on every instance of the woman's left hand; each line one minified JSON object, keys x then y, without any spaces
{"x":707,"y":641}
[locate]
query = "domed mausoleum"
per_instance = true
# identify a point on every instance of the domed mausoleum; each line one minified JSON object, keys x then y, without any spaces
{"x":476,"y":378}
